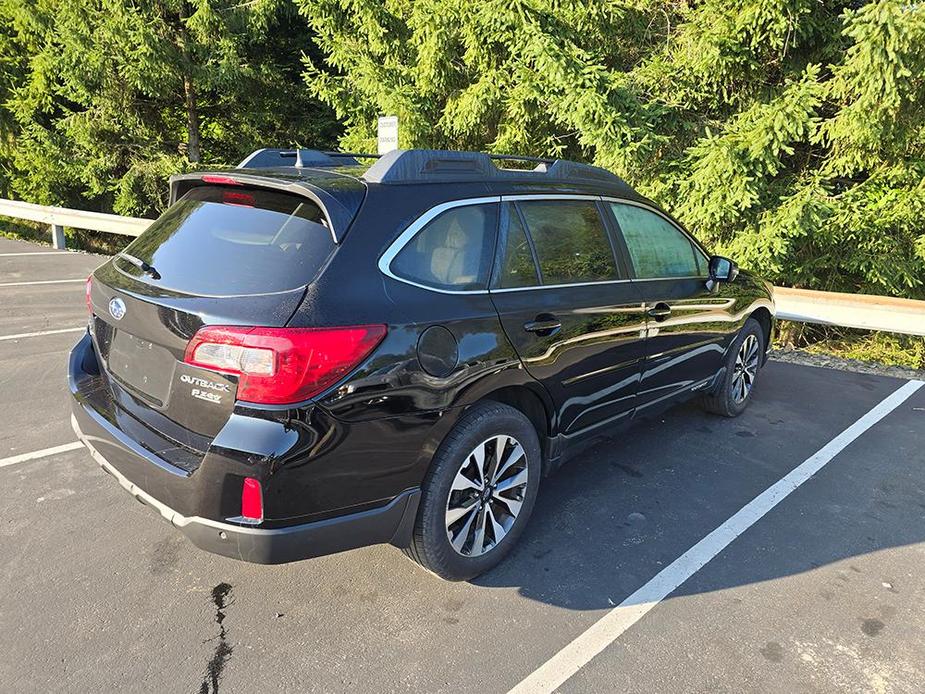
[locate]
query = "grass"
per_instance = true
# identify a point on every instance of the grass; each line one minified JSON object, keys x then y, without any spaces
{"x":865,"y":345}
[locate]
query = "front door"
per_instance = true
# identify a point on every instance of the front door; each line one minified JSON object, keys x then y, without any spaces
{"x":688,"y":324}
{"x":566,"y":305}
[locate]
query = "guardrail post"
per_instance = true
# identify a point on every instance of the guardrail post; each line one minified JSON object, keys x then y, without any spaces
{"x":57,"y":236}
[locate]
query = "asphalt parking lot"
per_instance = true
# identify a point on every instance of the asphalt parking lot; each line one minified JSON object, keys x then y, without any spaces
{"x":822,"y":592}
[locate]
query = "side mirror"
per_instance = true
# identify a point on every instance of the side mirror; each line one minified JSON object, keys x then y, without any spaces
{"x":722,"y":269}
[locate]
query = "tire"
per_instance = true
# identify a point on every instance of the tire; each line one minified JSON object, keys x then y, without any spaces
{"x":452,"y":505}
{"x":727,"y":399}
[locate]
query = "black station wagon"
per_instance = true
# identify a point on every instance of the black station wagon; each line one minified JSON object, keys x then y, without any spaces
{"x":295,"y":360}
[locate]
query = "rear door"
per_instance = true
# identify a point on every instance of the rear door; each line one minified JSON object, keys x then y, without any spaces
{"x":568,"y":308}
{"x":221,"y":255}
{"x":687,"y":323}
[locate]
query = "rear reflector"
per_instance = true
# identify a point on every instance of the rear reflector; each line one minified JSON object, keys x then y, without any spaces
{"x":252,"y":500}
{"x":281,"y":366}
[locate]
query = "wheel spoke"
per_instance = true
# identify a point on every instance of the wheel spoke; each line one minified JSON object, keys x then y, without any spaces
{"x":459,"y":541}
{"x":454,"y":514}
{"x":513,"y":505}
{"x":492,"y":471}
{"x":462,"y":483}
{"x":478,"y":541}
{"x":512,"y":482}
{"x":478,"y":455}
{"x":497,"y":530}
{"x":516,"y":454}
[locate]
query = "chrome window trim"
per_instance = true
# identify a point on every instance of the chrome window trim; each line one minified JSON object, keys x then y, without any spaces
{"x":549,"y":196}
{"x":385,"y":260}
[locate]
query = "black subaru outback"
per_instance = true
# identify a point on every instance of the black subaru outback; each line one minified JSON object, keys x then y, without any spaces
{"x":298,"y":360}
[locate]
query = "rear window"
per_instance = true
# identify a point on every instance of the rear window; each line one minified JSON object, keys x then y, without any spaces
{"x":221,"y":241}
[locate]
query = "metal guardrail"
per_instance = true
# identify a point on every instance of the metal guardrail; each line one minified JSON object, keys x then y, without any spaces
{"x":59,"y":217}
{"x":864,"y":311}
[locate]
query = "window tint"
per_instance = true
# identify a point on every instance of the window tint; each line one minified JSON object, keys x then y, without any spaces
{"x":657,"y":248}
{"x":517,"y":266}
{"x":570,"y":241}
{"x":453,"y":251}
{"x":219,"y":241}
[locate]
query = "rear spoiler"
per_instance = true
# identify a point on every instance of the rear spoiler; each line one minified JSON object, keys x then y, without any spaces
{"x":337,"y":215}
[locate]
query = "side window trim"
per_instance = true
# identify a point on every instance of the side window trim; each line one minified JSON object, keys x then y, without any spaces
{"x":621,"y":252}
{"x":507,"y":211}
{"x":394,"y":248}
{"x":696,"y":248}
{"x":536,"y":258}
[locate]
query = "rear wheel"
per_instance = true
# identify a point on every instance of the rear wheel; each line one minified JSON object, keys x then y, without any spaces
{"x":479,"y":493}
{"x":734,"y":391}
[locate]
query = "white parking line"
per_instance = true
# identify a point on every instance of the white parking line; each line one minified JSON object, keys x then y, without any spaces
{"x":11,"y":255}
{"x":54,"y":450}
{"x":26,"y":284}
{"x":39,"y":334}
{"x":555,"y":671}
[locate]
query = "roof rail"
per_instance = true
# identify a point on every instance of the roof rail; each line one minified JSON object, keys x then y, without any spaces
{"x":444,"y":166}
{"x":273,"y":158}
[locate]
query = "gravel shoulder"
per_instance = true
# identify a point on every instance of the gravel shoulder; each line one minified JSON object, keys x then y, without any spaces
{"x":789,"y":355}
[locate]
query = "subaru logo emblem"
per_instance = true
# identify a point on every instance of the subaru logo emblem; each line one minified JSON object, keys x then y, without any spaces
{"x":117,"y":308}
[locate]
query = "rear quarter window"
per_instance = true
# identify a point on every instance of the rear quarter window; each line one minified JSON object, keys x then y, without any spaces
{"x":453,"y":251}
{"x":223,"y":241}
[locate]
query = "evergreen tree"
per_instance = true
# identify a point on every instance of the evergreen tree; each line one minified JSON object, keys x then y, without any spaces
{"x":106,"y":98}
{"x":789,"y":134}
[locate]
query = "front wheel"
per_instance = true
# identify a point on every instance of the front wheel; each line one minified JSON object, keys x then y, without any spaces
{"x":734,"y":391}
{"x":479,"y":493}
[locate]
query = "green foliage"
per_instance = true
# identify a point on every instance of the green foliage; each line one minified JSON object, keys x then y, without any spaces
{"x":101,"y":100}
{"x":789,"y":133}
{"x":884,"y":348}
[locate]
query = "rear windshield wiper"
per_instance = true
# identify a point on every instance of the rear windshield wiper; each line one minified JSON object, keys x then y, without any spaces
{"x":141,"y":265}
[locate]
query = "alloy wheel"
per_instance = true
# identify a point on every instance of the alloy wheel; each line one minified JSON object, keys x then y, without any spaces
{"x":745,"y":369}
{"x":486,"y":495}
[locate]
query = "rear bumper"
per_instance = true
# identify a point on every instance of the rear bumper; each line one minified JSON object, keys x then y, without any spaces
{"x":197,"y":502}
{"x":280,"y":545}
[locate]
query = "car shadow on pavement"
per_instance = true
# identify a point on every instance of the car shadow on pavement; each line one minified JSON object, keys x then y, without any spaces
{"x":626,"y":508}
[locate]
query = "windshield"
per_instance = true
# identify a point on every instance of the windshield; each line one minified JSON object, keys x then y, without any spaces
{"x":223,"y":241}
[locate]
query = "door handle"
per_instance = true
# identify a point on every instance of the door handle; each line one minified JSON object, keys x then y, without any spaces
{"x":543,"y":325}
{"x":660,"y":311}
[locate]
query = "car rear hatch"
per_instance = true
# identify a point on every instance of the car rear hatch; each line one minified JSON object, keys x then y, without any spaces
{"x":224,"y":254}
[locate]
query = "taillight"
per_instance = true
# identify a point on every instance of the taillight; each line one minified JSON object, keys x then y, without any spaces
{"x":279,"y":366}
{"x":88,"y":287}
{"x":252,"y":500}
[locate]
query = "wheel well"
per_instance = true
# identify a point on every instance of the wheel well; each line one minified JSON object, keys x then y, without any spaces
{"x":530,"y":404}
{"x":763,"y":316}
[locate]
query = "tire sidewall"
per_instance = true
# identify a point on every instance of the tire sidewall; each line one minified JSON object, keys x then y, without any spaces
{"x":480,"y":423}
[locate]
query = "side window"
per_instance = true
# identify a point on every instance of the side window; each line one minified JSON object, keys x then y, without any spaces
{"x":570,"y":241}
{"x":657,"y":248}
{"x":453,"y":251}
{"x":517,"y":266}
